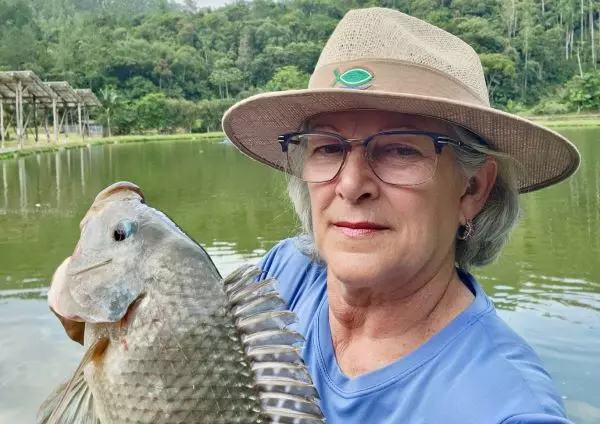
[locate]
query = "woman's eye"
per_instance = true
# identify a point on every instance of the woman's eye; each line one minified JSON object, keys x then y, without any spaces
{"x":328,"y":149}
{"x":401,"y":150}
{"x":124,"y":230}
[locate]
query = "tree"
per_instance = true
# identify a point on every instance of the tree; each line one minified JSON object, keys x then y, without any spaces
{"x":108,"y":97}
{"x":499,"y":71}
{"x":152,"y":112}
{"x":529,"y":49}
{"x":288,"y":78}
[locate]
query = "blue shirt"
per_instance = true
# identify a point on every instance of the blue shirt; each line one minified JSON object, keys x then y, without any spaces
{"x":476,"y":370}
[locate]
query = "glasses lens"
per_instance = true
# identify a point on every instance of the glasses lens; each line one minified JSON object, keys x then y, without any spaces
{"x":315,"y":158}
{"x":403,"y":159}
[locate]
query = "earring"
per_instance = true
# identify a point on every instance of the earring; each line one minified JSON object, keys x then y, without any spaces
{"x":465,"y":231}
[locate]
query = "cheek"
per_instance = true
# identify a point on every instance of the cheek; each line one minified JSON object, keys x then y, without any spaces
{"x":320,"y":197}
{"x":445,"y":201}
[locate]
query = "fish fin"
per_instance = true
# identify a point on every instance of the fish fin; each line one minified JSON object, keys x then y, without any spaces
{"x":282,"y":400}
{"x":275,"y":353}
{"x":282,"y":336}
{"x":251,"y":291}
{"x":265,"y":303}
{"x":287,"y":415}
{"x":79,"y":407}
{"x":269,"y":320}
{"x":286,"y":389}
{"x":72,"y":402}
{"x":236,"y":276}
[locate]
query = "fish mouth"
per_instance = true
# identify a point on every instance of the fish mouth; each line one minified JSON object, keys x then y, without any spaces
{"x":74,"y":272}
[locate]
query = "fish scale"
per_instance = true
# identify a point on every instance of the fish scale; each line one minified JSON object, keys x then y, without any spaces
{"x":214,"y":336}
{"x":189,"y":347}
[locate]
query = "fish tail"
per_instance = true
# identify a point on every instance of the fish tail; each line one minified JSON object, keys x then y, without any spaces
{"x":338,"y":76}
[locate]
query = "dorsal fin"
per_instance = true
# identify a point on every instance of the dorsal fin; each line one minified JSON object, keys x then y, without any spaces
{"x":286,"y":390}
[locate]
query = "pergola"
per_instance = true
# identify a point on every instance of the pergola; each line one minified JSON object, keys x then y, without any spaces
{"x":25,"y":87}
{"x":88,"y":101}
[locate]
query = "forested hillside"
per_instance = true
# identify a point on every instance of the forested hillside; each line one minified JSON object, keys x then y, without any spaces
{"x":160,"y":64}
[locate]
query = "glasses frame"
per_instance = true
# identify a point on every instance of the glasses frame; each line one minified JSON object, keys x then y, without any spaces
{"x":439,"y":141}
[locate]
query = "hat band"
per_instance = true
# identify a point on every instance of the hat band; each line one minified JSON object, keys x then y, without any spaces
{"x":394,"y":77}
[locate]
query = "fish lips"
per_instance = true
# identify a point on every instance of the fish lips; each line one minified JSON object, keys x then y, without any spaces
{"x":73,"y":326}
{"x":94,"y":304}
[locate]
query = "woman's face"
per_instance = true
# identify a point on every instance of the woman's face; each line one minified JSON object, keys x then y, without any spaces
{"x":370,"y":232}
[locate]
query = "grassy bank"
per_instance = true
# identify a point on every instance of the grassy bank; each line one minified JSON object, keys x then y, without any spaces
{"x":12,"y":152}
{"x":567,"y":121}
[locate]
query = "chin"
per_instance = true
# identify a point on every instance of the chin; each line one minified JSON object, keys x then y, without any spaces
{"x":356,"y":268}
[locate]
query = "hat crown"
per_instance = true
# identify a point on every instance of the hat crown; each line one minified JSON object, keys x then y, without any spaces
{"x":379,"y":34}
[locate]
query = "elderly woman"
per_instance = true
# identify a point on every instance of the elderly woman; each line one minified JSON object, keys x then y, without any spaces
{"x":403,"y":178}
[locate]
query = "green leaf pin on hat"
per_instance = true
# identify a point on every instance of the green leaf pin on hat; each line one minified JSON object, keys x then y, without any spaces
{"x":352,"y":78}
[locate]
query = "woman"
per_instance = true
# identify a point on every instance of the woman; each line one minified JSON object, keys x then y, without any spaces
{"x":403,"y":178}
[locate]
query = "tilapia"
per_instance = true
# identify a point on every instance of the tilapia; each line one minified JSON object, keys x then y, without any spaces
{"x":168,"y":340}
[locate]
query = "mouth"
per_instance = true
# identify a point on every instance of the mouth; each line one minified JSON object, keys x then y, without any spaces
{"x":359,"y":228}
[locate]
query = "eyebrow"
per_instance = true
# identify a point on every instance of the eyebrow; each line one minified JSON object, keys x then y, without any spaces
{"x":321,"y":126}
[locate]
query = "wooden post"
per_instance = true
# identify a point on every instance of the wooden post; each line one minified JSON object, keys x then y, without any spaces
{"x":55,"y":119}
{"x":46,"y":125}
{"x":79,"y":117}
{"x":62,"y":121}
{"x":35,"y":120}
{"x":20,"y":131}
{"x":87,"y":121}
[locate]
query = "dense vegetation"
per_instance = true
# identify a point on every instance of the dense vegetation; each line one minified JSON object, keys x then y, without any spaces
{"x":160,"y":64}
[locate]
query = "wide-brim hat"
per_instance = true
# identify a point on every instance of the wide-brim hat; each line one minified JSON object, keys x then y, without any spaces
{"x":386,"y":60}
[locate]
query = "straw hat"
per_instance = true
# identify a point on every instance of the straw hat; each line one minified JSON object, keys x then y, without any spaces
{"x":383,"y":59}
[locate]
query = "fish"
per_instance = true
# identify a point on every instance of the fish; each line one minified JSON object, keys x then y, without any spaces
{"x":167,"y":339}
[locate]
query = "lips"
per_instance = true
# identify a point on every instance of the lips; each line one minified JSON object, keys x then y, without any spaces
{"x":363,"y":225}
{"x":359,"y":229}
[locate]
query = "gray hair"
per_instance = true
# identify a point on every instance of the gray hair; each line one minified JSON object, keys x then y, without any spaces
{"x":492,"y":225}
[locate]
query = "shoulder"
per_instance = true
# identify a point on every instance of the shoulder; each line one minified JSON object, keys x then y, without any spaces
{"x":297,"y":274}
{"x":500,"y":374}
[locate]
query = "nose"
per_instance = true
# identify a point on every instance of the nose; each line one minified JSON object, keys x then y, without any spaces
{"x":357,"y":181}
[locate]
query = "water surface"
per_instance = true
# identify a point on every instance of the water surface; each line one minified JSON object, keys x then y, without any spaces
{"x":546,"y":285}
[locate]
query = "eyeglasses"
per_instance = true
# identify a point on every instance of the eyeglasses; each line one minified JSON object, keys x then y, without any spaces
{"x":403,"y":158}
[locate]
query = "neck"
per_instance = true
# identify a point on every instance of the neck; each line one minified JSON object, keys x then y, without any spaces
{"x":371,"y":328}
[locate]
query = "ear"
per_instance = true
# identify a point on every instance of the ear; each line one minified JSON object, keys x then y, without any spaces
{"x":478,"y":190}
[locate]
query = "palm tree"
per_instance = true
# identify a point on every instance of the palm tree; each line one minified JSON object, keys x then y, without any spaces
{"x":109,"y":99}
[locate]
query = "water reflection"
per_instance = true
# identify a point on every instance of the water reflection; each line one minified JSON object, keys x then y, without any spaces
{"x":210,"y":190}
{"x":4,"y":185}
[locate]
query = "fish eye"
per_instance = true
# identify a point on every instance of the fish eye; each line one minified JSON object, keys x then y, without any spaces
{"x":124,"y":230}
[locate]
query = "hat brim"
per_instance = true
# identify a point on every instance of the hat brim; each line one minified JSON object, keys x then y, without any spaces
{"x":545,"y":157}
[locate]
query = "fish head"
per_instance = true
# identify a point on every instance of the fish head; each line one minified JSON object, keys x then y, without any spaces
{"x":102,"y":278}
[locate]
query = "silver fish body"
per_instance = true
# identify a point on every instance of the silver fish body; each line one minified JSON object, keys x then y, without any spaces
{"x":170,"y":341}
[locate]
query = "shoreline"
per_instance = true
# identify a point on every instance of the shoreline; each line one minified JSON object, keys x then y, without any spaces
{"x":583,"y":120}
{"x":43,"y":147}
{"x":550,"y":121}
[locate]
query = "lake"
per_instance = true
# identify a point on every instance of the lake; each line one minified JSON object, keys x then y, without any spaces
{"x":546,"y":284}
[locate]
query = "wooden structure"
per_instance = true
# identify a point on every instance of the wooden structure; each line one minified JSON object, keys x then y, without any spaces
{"x":88,"y":101}
{"x":18,"y":88}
